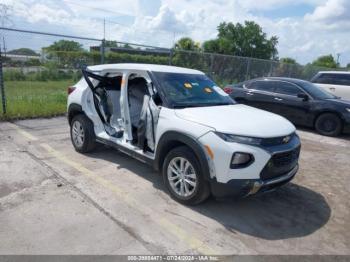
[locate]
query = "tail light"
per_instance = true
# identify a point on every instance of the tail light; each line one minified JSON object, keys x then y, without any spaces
{"x":228,"y":90}
{"x":70,"y":89}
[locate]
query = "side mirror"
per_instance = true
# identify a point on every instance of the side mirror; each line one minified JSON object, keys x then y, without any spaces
{"x":303,"y":96}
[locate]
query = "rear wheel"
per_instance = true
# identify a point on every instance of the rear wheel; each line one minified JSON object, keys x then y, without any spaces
{"x":82,"y":134}
{"x":328,"y":124}
{"x":183,"y":177}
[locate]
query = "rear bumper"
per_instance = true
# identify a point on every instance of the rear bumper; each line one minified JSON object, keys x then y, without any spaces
{"x":246,"y":187}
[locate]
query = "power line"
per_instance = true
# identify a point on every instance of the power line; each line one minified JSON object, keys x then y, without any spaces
{"x":122,"y":14}
{"x":98,"y":9}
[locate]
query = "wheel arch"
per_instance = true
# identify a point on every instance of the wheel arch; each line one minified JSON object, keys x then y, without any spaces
{"x":73,"y":110}
{"x":172,"y":139}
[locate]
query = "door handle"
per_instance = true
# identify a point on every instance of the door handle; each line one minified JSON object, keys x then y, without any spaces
{"x":278,"y":99}
{"x":332,"y":88}
{"x":251,"y":94}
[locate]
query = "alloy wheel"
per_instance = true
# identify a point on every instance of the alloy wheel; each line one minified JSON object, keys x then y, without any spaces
{"x":78,"y":134}
{"x":182,"y":177}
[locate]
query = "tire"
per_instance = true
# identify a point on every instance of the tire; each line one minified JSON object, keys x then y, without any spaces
{"x":82,"y":134}
{"x":195,"y":194}
{"x":328,"y":124}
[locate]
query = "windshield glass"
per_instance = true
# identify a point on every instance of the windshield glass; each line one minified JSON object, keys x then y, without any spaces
{"x":315,"y":91}
{"x":191,"y":90}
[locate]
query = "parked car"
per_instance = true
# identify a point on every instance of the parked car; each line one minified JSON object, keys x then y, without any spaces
{"x":180,"y":122}
{"x":336,"y":82}
{"x":300,"y":101}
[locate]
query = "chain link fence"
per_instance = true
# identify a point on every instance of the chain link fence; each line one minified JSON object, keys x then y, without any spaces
{"x":36,"y":68}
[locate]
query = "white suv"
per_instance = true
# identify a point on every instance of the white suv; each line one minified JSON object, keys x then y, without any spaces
{"x":180,"y":122}
{"x":335,"y":82}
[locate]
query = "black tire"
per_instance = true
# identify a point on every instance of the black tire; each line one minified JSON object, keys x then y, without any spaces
{"x":89,"y":138}
{"x":202,"y":190}
{"x":328,"y":124}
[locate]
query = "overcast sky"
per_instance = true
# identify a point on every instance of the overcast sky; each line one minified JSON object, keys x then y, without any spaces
{"x":306,"y":28}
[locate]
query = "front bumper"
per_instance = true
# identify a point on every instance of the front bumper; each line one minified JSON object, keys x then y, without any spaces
{"x":246,"y":187}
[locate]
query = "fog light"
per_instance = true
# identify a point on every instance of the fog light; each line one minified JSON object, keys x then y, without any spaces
{"x":241,"y":160}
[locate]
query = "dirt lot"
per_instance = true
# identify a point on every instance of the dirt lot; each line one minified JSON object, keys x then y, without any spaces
{"x":56,"y":201}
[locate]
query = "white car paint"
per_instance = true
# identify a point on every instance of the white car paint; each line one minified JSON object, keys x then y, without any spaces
{"x":342,"y":91}
{"x":144,"y":67}
{"x":197,"y":123}
{"x":239,"y":120}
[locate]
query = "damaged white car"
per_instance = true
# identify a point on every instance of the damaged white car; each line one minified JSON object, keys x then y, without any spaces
{"x":180,"y":122}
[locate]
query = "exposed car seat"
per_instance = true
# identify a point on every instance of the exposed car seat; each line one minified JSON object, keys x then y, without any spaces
{"x":137,"y":89}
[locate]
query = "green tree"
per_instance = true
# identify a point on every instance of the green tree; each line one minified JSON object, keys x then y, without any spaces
{"x":187,"y":43}
{"x":66,"y":53}
{"x":325,"y":61}
{"x":109,"y":43}
{"x":23,"y":51}
{"x":246,"y":39}
{"x":348,"y":66}
{"x":65,"y":45}
{"x":288,"y":67}
{"x":288,"y":60}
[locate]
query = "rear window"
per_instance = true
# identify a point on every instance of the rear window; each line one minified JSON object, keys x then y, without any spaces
{"x":333,"y":79}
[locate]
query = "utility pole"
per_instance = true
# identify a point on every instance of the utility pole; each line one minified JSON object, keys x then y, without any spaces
{"x":338,"y":58}
{"x":104,"y":28}
{"x":2,"y":87}
{"x":4,"y":19}
{"x":174,"y":40}
{"x":102,"y":49}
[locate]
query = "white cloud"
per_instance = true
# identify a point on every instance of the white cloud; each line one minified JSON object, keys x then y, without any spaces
{"x":165,"y":20}
{"x":274,"y":4}
{"x":332,"y":10}
{"x":322,"y":31}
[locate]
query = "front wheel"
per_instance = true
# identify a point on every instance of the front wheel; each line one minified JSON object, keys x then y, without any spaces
{"x":82,"y":134}
{"x":328,"y":124}
{"x":183,"y":177}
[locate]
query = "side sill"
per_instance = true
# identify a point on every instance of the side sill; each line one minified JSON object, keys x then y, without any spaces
{"x":127,"y":151}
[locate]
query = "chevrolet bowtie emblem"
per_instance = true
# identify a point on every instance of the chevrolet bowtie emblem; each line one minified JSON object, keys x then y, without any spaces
{"x":286,"y":139}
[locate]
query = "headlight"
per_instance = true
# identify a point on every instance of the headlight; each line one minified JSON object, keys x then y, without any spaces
{"x":348,"y":109}
{"x":239,"y":139}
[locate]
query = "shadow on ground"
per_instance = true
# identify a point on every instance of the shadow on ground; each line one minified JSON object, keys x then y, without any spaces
{"x":289,"y":212}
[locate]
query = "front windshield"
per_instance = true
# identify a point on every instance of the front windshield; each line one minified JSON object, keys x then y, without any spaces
{"x":191,"y":90}
{"x":315,"y":91}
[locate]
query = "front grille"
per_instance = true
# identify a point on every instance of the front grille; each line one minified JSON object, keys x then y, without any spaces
{"x":280,"y":164}
{"x":286,"y":158}
{"x":275,"y":141}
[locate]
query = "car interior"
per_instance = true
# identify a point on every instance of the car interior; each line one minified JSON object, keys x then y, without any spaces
{"x":138,"y":98}
{"x":107,"y":92}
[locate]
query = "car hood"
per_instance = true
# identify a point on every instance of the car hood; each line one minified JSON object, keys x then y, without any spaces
{"x":239,"y":120}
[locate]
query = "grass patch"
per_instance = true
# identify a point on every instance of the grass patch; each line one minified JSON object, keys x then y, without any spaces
{"x":26,"y":99}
